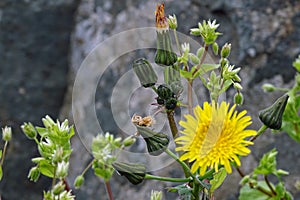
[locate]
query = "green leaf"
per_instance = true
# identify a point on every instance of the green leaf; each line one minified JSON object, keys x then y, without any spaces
{"x":46,"y":168}
{"x":209,"y":66}
{"x":0,"y":153}
{"x":184,"y":191}
{"x":267,"y":164}
{"x":247,"y":193}
{"x":218,"y":179}
{"x":296,"y":64}
{"x":186,"y":74}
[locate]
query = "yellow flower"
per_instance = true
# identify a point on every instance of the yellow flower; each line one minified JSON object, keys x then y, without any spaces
{"x":215,"y":136}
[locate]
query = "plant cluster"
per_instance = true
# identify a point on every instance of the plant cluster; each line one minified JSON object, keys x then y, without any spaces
{"x":211,"y":138}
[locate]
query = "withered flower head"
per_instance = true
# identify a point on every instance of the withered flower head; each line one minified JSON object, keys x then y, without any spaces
{"x":161,"y":19}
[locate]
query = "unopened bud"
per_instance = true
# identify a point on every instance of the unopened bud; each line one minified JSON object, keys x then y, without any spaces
{"x":215,"y":48}
{"x":272,"y":116}
{"x":78,"y":181}
{"x":224,"y":62}
{"x":164,"y":92}
{"x":6,"y":133}
{"x":129,"y":141}
{"x":144,"y":72}
{"x":29,"y":130}
{"x":225,"y":50}
{"x":156,"y":142}
{"x":34,"y":174}
{"x":238,"y":98}
{"x":135,"y":173}
{"x":62,"y":169}
{"x":172,"y":22}
{"x":268,"y":87}
{"x":164,"y":55}
{"x":58,"y":188}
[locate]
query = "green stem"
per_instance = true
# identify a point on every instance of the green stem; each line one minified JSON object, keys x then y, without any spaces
{"x":4,"y":152}
{"x":207,"y":174}
{"x":196,"y":190}
{"x":172,"y":123}
{"x":108,"y":190}
{"x":168,"y":179}
{"x":184,"y":166}
{"x":190,"y":96}
{"x":177,"y":41}
{"x":269,"y":185}
{"x":87,"y":167}
{"x":202,"y":59}
{"x":54,"y":177}
{"x":262,"y":129}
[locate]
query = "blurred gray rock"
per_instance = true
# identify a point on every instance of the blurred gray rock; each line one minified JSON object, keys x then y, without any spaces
{"x":34,"y":46}
{"x":265,"y":40}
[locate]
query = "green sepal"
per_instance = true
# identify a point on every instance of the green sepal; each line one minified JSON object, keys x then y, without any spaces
{"x":272,"y":116}
{"x":164,"y":54}
{"x":134,"y":172}
{"x":156,"y":142}
{"x":145,"y":72}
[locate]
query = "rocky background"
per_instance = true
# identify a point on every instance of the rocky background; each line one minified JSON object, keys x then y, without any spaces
{"x":43,"y":43}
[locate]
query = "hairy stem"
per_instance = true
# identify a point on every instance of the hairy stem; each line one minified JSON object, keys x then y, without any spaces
{"x":172,"y":123}
{"x":4,"y":152}
{"x":184,"y":166}
{"x":262,"y":129}
{"x":168,"y":179}
{"x":177,"y":41}
{"x":190,"y":96}
{"x":269,"y":185}
{"x":109,"y":191}
{"x":202,"y":59}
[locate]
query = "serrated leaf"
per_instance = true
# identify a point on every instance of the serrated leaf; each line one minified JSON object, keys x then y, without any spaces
{"x":218,"y":179}
{"x":247,"y":193}
{"x":267,"y":164}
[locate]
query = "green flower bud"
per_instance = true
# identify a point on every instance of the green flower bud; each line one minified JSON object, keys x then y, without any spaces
{"x":48,"y":122}
{"x":160,"y":100}
{"x":200,"y":52}
{"x":238,"y":98}
{"x":62,"y":169}
{"x":224,"y":62}
{"x":6,"y":133}
{"x":129,"y":141}
{"x":29,"y":130}
{"x":78,"y":181}
{"x":164,"y":55}
{"x":58,"y":155}
{"x":58,"y":188}
{"x":268,"y":87}
{"x":237,"y":86}
{"x":171,"y":75}
{"x":215,"y":48}
{"x":34,"y":174}
{"x":135,"y":173}
{"x":194,"y":59}
{"x":164,"y":92}
{"x":272,"y":116}
{"x":156,"y":142}
{"x":171,"y":104}
{"x":225,"y":50}
{"x":172,"y":21}
{"x":156,"y":195}
{"x":144,"y":72}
